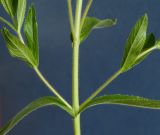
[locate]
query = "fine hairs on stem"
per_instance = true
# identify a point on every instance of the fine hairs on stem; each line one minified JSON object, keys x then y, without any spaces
{"x":22,"y":43}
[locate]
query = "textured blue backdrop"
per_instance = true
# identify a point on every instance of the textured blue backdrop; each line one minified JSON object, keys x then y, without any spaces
{"x":100,"y":57}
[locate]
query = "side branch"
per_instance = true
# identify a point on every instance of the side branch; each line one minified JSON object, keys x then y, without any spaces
{"x":101,"y":88}
{"x":51,"y":87}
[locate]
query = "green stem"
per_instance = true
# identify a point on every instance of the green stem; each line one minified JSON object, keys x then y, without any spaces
{"x":20,"y":37}
{"x":146,"y":52}
{"x":86,"y":12}
{"x":75,"y":78}
{"x":45,"y":81}
{"x":100,"y":89}
{"x":75,"y":68}
{"x":51,"y":88}
{"x":75,"y":87}
{"x":76,"y":122}
{"x":71,"y":16}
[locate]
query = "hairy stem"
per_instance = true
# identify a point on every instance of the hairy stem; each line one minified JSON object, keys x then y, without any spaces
{"x":100,"y":89}
{"x":75,"y":68}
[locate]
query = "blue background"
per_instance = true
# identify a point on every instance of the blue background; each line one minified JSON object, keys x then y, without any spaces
{"x":100,"y":57}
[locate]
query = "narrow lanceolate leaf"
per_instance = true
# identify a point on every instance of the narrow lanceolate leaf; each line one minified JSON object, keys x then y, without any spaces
{"x":10,"y":6}
{"x":135,"y":43}
{"x":31,"y":32}
{"x":133,"y":101}
{"x":17,"y":49}
{"x":94,"y":23}
{"x":21,"y":13}
{"x":39,"y":103}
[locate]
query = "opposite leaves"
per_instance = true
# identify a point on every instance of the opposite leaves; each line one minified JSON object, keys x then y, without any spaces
{"x":135,"y":43}
{"x":17,"y":49}
{"x":94,"y":23}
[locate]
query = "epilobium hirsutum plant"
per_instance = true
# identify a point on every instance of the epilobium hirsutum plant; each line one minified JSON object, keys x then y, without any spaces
{"x":138,"y":46}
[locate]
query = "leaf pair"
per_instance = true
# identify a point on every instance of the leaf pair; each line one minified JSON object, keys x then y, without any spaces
{"x":39,"y":103}
{"x":138,"y":42}
{"x":16,"y":10}
{"x":30,"y":52}
{"x":124,"y":100}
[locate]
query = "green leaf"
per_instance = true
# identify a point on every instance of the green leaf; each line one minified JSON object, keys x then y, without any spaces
{"x":31,"y":32}
{"x":7,"y":23}
{"x":94,"y":23}
{"x":21,"y":13}
{"x":148,"y":47}
{"x":18,"y":49}
{"x":125,"y":100}
{"x":10,"y":6}
{"x":135,"y":43}
{"x":39,"y":103}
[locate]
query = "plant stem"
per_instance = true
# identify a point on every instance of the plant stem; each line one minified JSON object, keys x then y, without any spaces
{"x":20,"y":37}
{"x":75,"y":88}
{"x":71,"y":16}
{"x":75,"y":78}
{"x":44,"y":80}
{"x":75,"y":68}
{"x":86,"y":12}
{"x":105,"y":84}
{"x":146,"y":52}
{"x":76,"y":122}
{"x":51,"y":88}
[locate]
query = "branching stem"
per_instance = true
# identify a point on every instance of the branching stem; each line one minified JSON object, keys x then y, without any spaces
{"x":100,"y":89}
{"x":45,"y":81}
{"x":42,"y":78}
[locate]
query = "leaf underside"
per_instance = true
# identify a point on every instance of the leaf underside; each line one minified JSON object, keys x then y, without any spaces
{"x":125,"y":100}
{"x":39,"y":103}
